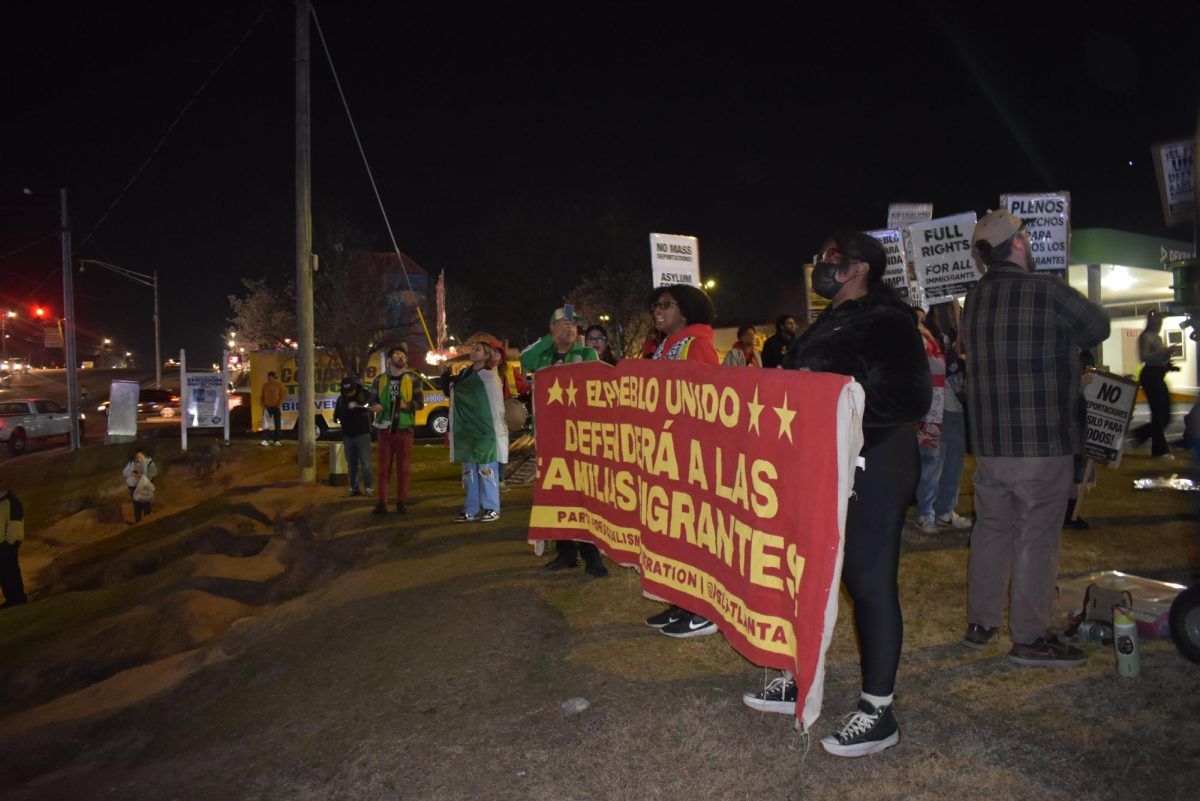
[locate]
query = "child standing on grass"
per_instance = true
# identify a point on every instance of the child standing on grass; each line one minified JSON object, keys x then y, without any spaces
{"x":139,"y":467}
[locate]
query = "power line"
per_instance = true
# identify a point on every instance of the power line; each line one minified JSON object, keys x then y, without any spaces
{"x":172,"y":126}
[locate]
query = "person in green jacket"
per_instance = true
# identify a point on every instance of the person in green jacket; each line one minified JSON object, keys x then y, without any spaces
{"x":396,"y":395}
{"x":562,"y":346}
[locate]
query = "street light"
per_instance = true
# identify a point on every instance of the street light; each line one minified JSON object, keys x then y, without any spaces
{"x":710,"y":284}
{"x":8,"y":315}
{"x":151,"y":281}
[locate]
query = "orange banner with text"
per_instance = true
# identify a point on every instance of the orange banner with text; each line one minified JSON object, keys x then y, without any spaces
{"x":726,"y":487}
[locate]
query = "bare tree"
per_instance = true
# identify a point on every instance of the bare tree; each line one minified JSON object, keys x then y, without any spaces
{"x":264,"y":317}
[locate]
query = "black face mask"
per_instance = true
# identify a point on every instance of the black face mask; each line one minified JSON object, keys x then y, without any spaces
{"x":824,"y":279}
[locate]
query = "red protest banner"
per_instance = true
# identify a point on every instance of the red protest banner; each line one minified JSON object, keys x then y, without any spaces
{"x":725,"y":487}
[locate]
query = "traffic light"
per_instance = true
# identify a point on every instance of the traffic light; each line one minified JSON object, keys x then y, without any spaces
{"x":39,"y":312}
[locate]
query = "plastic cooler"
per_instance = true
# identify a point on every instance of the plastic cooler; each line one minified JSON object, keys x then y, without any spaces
{"x":1151,"y":599}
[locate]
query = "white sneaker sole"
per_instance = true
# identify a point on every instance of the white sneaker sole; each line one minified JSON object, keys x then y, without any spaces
{"x":832,"y":746}
{"x":763,"y":705}
{"x":703,"y":631}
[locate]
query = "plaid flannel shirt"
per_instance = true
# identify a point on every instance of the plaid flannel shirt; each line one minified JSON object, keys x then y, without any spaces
{"x":1024,"y":332}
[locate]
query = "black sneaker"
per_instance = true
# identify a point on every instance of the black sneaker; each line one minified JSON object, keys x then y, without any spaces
{"x":867,"y":731}
{"x":489,"y":516}
{"x":380,"y":509}
{"x":778,"y":696}
{"x":596,"y":568}
{"x":463,"y":517}
{"x":691,"y":625}
{"x":977,"y":636}
{"x":400,"y":507}
{"x":562,"y":563}
{"x":1047,"y":652}
{"x":666,"y":617}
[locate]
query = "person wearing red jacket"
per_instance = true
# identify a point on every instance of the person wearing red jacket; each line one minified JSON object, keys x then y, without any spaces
{"x":683,"y":317}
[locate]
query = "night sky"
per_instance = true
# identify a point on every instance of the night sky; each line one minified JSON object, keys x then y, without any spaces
{"x":499,"y":134}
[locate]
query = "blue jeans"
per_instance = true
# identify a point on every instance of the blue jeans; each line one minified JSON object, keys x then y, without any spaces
{"x":952,"y":452}
{"x":928,"y":485}
{"x":358,"y":451}
{"x":482,"y":482}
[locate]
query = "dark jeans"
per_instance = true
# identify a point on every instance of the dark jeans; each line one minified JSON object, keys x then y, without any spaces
{"x":871,"y":561}
{"x":358,"y":452}
{"x":1154,"y":384}
{"x":140,"y":508}
{"x":276,"y":418}
{"x":10,"y":574}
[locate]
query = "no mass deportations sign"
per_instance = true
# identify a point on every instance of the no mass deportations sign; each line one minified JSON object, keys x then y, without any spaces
{"x":688,"y":472}
{"x":1047,"y":219}
{"x":674,"y":259}
{"x":942,"y":259}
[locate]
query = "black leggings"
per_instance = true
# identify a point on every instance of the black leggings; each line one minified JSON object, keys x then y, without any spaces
{"x":871,"y":560}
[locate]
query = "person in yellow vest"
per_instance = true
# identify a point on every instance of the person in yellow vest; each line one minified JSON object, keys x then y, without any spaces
{"x":273,"y":393}
{"x":12,"y":533}
{"x":395,"y":398}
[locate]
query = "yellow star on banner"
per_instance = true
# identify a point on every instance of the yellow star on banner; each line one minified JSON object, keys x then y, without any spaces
{"x":571,"y":390}
{"x":785,"y":419}
{"x":555,"y":393}
{"x":755,"y":410}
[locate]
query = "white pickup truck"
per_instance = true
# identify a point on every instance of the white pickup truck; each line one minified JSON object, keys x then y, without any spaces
{"x":33,"y":418}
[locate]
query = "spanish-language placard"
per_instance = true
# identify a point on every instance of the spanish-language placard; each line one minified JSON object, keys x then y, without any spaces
{"x":1047,"y":219}
{"x":1109,"y":400}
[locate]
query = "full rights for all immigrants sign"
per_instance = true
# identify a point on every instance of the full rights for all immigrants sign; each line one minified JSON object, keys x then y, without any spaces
{"x":941,"y":251}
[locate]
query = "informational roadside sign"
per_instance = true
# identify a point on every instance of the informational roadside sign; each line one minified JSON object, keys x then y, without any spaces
{"x":205,"y":399}
{"x":1174,"y":165}
{"x":1109,"y":400}
{"x":674,"y":259}
{"x":942,"y":260}
{"x":902,"y":215}
{"x":1047,"y":219}
{"x":896,"y":274}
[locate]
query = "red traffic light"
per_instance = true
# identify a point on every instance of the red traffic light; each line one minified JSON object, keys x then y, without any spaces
{"x":39,"y":312}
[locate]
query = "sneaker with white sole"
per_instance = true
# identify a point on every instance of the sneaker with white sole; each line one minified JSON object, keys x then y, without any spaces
{"x":954,"y":520}
{"x":690,"y":625}
{"x":463,"y":517}
{"x":666,"y":617}
{"x":778,"y":696}
{"x":264,"y":442}
{"x":867,"y":731}
{"x":489,"y":515}
{"x":927,"y":525}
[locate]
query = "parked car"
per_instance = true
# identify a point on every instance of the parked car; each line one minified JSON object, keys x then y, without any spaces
{"x":152,"y":403}
{"x":33,"y":418}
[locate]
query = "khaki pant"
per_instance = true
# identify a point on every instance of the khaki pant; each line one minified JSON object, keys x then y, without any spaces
{"x":1019,"y":507}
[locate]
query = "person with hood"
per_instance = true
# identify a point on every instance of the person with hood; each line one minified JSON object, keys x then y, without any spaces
{"x":561,"y":346}
{"x":140,"y":465}
{"x":478,"y":433}
{"x":869,"y":333}
{"x":12,"y":533}
{"x":683,"y":316}
{"x":775,"y":349}
{"x":352,"y":412}
{"x":396,"y":396}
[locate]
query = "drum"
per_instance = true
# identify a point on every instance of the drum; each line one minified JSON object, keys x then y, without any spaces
{"x":516,"y":414}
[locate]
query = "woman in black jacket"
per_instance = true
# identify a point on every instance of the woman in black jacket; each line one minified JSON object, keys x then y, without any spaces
{"x":870,"y":334}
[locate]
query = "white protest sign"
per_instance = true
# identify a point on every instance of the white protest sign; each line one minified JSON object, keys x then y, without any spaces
{"x":1174,"y":163}
{"x":896,"y":273}
{"x":674,"y":259}
{"x":941,"y":251}
{"x":205,"y":400}
{"x":1110,"y":402}
{"x":1047,"y":219}
{"x":902,"y":215}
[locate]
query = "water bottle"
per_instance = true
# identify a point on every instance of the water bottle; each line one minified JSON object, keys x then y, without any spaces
{"x":1125,"y":642}
{"x":1096,"y":631}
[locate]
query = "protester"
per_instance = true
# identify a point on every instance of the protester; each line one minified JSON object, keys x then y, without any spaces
{"x":12,"y":533}
{"x":595,"y":336}
{"x":1024,"y":333}
{"x":775,"y":349}
{"x":272,"y":395}
{"x":478,"y":434}
{"x":139,"y":467}
{"x":929,"y":430}
{"x":395,"y":398}
{"x":511,"y":381}
{"x":869,"y":333}
{"x":1156,"y":363}
{"x":560,"y":346}
{"x":683,"y":317}
{"x":944,"y":321}
{"x":352,"y":413}
{"x":743,"y":353}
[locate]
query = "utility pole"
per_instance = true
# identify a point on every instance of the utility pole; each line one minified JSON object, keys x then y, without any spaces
{"x":305,"y":361}
{"x":69,"y":323}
